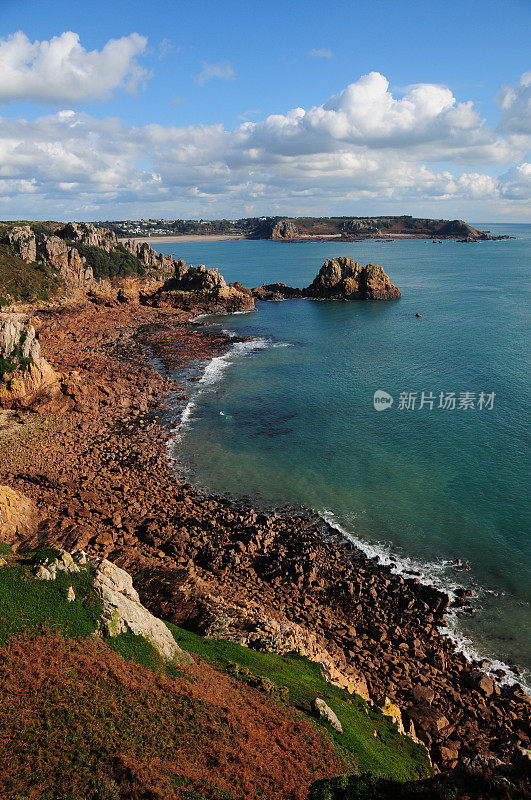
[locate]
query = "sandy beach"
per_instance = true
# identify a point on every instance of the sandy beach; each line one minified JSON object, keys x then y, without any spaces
{"x":184,"y":238}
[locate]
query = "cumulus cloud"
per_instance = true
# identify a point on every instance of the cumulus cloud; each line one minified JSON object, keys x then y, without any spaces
{"x":222,"y":69}
{"x":515,"y":102}
{"x":363,"y":144}
{"x":61,"y":70}
{"x":516,"y":183}
{"x":320,"y":53}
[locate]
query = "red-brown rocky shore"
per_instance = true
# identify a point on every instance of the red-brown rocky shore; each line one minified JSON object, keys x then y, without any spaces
{"x":100,"y":479}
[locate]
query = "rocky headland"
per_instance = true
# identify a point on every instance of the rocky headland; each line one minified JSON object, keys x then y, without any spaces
{"x":91,"y":473}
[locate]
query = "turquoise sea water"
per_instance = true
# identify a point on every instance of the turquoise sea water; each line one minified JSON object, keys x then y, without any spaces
{"x":290,"y":418}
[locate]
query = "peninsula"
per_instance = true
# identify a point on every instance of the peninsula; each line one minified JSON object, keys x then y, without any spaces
{"x":302,"y":229}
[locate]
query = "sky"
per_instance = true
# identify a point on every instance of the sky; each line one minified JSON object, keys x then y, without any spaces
{"x":127,"y":110}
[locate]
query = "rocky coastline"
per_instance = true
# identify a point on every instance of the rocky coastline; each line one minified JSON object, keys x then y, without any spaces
{"x":99,"y":479}
{"x":90,"y":391}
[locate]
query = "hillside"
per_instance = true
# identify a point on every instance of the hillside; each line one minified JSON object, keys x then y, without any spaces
{"x":106,"y":717}
{"x":295,"y":228}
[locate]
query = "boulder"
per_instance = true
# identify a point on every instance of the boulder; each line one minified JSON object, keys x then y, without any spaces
{"x":480,"y":681}
{"x":325,"y":712}
{"x":424,"y":696}
{"x":122,"y":611}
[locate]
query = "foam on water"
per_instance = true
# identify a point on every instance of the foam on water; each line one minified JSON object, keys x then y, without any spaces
{"x":214,"y":371}
{"x":432,"y":574}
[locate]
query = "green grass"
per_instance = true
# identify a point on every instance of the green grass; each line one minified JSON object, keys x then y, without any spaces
{"x":29,"y":604}
{"x":5,"y":549}
{"x":390,"y":754}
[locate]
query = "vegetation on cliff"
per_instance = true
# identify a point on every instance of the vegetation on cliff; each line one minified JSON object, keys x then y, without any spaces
{"x":103,"y":719}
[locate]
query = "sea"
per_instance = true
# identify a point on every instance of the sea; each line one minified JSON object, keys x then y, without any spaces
{"x":438,"y":469}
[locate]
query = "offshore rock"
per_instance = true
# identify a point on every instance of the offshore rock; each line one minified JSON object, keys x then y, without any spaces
{"x":275,"y":291}
{"x":343,"y":278}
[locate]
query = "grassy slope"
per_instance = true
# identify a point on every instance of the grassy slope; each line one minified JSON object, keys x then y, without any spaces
{"x":106,"y":705}
{"x":387,"y":754}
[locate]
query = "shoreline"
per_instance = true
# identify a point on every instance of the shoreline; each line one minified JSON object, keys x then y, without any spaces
{"x":184,"y":238}
{"x":401,"y":565}
{"x":102,"y":481}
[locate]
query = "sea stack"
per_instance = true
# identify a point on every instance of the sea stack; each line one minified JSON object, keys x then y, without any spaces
{"x":343,"y":278}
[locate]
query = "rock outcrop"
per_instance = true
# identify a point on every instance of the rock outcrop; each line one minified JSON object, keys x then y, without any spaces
{"x":203,"y":290}
{"x":339,"y":278}
{"x":249,"y":626}
{"x":22,"y":240}
{"x":325,"y":712}
{"x":123,"y":611}
{"x":284,"y":229}
{"x":24,"y":375}
{"x":149,"y":257}
{"x":71,"y":265}
{"x":343,"y":278}
{"x":91,"y":235}
{"x":18,"y":517}
{"x":54,"y":251}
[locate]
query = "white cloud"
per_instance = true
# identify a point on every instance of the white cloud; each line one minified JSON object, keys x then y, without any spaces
{"x":223,"y":70}
{"x":361,"y":146}
{"x":61,"y":70}
{"x":516,"y":183}
{"x":320,"y":53}
{"x":515,"y":102}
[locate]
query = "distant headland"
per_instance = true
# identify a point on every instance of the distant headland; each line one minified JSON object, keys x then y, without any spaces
{"x":302,"y":229}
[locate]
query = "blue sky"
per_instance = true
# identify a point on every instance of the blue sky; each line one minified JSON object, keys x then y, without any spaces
{"x":186,"y":86}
